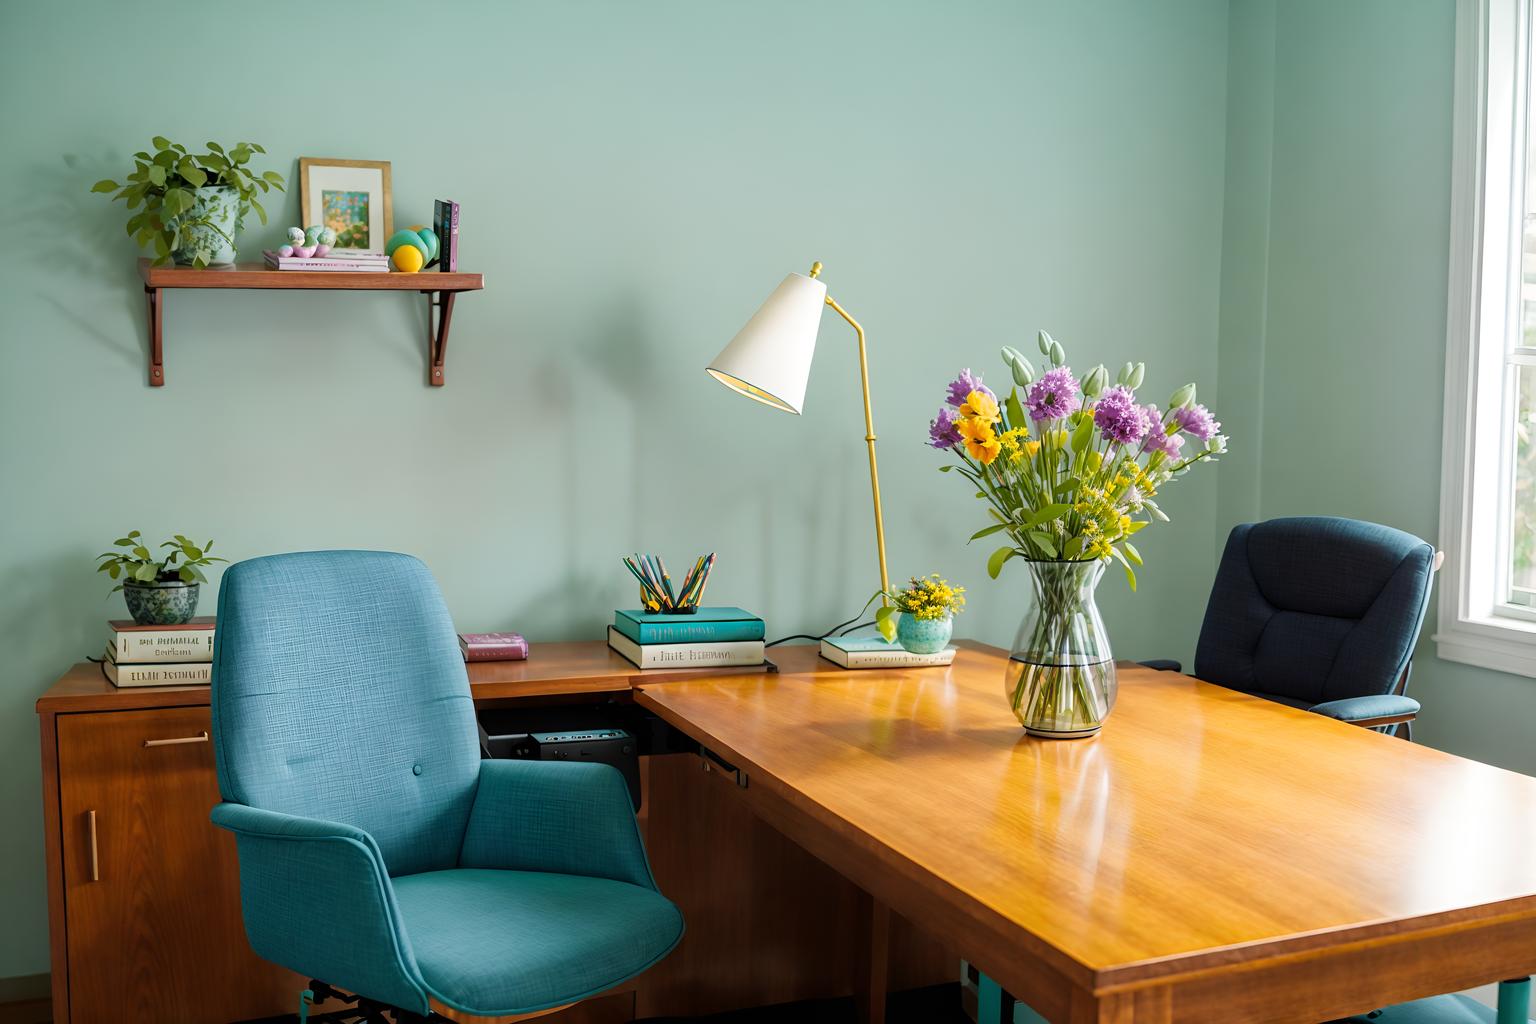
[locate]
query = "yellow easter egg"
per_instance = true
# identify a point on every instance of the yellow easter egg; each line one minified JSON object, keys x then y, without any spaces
{"x":407,"y":259}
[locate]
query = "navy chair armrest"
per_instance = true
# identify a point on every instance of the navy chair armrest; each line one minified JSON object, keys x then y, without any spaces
{"x":1369,"y":709}
{"x":571,"y":818}
{"x":317,"y":899}
{"x":1163,"y":665}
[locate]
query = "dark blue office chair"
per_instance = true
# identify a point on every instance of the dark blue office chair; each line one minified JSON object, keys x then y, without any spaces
{"x":378,"y":852}
{"x":1319,"y":613}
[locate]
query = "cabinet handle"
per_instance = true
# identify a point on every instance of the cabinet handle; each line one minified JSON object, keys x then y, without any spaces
{"x":90,"y":820}
{"x":201,"y":737}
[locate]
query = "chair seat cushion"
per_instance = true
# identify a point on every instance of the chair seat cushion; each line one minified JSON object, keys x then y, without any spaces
{"x":1457,"y":1009}
{"x":502,"y":942}
{"x":1290,"y":702}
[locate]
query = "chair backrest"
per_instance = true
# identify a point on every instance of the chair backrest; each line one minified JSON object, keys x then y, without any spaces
{"x":339,"y":693}
{"x":1315,"y":608}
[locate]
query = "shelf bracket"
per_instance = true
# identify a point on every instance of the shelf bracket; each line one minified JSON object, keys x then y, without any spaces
{"x":437,"y":333}
{"x":156,"y":356}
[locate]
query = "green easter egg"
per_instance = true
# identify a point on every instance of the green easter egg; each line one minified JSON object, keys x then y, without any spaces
{"x":430,"y":237}
{"x":403,"y":237}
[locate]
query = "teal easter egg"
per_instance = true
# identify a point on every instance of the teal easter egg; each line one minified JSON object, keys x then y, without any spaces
{"x":404,"y":237}
{"x":430,"y":237}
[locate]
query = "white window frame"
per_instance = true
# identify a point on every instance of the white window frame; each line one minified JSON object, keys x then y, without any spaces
{"x":1477,"y":624}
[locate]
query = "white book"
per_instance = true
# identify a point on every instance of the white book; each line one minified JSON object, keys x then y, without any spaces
{"x":874,"y":652}
{"x":150,"y":646}
{"x":200,"y":674}
{"x":717,"y":655}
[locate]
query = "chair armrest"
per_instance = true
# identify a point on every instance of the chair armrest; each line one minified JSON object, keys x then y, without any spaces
{"x":317,"y":899}
{"x":572,"y":818}
{"x":1163,"y":665}
{"x":1377,"y":709}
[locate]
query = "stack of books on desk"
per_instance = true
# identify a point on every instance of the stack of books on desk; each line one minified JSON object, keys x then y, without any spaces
{"x":179,"y":655}
{"x":874,"y":652}
{"x":708,"y":638}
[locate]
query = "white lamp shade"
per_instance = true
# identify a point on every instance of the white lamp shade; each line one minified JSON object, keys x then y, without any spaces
{"x":770,"y":358}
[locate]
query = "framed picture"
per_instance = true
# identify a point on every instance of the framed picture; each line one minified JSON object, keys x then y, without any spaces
{"x":349,"y":196}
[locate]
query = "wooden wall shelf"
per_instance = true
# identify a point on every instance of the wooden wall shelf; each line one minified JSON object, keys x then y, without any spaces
{"x":440,"y":289}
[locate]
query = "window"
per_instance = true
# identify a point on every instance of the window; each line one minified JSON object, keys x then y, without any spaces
{"x":1488,"y":509}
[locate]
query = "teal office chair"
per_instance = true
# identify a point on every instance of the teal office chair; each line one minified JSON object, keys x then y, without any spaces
{"x":379,"y":854}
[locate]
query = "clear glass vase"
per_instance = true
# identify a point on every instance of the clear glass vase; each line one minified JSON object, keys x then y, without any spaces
{"x":1060,"y":680}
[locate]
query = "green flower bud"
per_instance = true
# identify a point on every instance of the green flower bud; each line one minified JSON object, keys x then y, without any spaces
{"x":1134,"y":378}
{"x":1217,"y":445}
{"x":1096,"y":380}
{"x":1182,"y":397}
{"x":1125,"y":373}
{"x":1046,"y":341}
{"x":1058,"y":354}
{"x":1023,"y":372}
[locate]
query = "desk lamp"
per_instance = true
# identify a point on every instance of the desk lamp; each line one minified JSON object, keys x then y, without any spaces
{"x":769,"y":360}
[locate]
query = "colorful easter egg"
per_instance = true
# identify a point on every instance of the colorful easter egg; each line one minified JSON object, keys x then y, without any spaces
{"x":407,"y":258}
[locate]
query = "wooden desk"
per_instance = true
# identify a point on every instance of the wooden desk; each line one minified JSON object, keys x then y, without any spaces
{"x":143,"y":894}
{"x":1209,"y":856}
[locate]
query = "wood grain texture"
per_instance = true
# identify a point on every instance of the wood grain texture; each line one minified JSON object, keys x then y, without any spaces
{"x":257,"y":275}
{"x":147,"y":942}
{"x":768,"y":922}
{"x":1204,"y":832}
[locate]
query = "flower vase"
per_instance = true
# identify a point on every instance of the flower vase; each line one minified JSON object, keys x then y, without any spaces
{"x":1060,"y":679}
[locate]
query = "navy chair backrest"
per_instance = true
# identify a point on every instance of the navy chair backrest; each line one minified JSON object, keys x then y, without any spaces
{"x":339,"y":693}
{"x":1315,"y":608}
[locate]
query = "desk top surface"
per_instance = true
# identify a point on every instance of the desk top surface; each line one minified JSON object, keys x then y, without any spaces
{"x":1202,"y":828}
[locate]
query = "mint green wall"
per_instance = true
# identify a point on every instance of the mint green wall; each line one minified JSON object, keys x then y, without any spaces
{"x":635,"y":179}
{"x":1333,"y":322}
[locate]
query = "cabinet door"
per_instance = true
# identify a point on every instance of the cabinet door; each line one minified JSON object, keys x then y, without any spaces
{"x":152,"y":889}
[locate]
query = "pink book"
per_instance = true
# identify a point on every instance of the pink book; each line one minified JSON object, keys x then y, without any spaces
{"x":493,"y":646}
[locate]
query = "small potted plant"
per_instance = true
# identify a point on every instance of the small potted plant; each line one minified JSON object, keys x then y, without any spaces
{"x":927,"y":606}
{"x":158,"y":591}
{"x":193,"y":203}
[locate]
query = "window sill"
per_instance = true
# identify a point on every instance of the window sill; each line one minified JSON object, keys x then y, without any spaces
{"x":1502,"y":644}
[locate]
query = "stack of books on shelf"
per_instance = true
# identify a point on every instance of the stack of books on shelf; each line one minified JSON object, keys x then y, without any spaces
{"x":874,"y":652}
{"x":707,"y":638}
{"x":179,"y":655}
{"x":493,"y":646}
{"x":345,"y":261}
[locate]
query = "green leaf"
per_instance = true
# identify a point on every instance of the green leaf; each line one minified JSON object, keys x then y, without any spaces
{"x":1137,"y":525}
{"x":1046,"y":544}
{"x":186,"y":574}
{"x":259,"y":211}
{"x":1045,"y":515}
{"x":1131,"y":552}
{"x":1082,"y":435}
{"x":1067,"y":486}
{"x":104,"y":566}
{"x":157,"y":174}
{"x":885,"y":622}
{"x":1130,"y":577}
{"x":105,"y":185}
{"x":1072,"y":548}
{"x":214,"y":147}
{"x":1015,"y":410}
{"x":987,"y":531}
{"x":142,"y":552}
{"x":945,"y":469}
{"x":193,"y":173}
{"x":160,"y":142}
{"x":995,"y":562}
{"x":116,"y":570}
{"x":145,"y":573}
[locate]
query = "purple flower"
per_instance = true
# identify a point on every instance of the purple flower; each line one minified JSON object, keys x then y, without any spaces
{"x":1196,"y":419}
{"x":1054,"y":395}
{"x":1158,"y":438}
{"x":941,"y":432}
{"x":1119,"y":417}
{"x":964,"y":385}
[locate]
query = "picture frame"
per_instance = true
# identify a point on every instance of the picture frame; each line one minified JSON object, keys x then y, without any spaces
{"x":351,"y":196}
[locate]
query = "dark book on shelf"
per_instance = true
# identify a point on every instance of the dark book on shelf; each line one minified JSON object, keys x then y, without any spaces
{"x":445,"y":221}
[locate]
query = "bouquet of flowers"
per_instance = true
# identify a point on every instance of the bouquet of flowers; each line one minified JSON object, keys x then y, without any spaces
{"x":1070,"y":467}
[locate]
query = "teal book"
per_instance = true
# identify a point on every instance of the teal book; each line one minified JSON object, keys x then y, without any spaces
{"x":706,"y":626}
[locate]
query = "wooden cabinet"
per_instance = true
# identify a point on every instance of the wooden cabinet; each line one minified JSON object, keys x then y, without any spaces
{"x":151,"y":909}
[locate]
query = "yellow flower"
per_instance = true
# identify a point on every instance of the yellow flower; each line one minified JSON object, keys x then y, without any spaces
{"x":980,"y":405}
{"x":980,"y":442}
{"x":1014,"y":445}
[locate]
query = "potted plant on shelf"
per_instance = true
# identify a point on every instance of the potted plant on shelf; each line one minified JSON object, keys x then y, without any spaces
{"x":158,"y":591}
{"x":194,"y":204}
{"x":1070,"y":469}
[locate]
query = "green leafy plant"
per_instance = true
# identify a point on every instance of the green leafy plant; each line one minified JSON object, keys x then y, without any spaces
{"x":162,"y":183}
{"x":137,"y":564}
